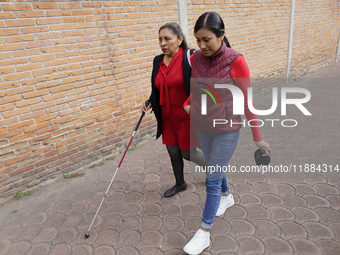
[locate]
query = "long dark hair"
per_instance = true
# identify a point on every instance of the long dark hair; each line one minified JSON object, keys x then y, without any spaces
{"x":177,"y":31}
{"x":212,"y":22}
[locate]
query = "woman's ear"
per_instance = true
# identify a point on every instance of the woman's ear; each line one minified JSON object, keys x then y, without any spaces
{"x":180,"y":40}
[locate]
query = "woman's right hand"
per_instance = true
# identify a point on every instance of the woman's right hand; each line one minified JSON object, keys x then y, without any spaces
{"x":144,"y":108}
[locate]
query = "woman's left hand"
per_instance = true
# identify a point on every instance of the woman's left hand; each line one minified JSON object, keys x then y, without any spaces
{"x":264,"y":146}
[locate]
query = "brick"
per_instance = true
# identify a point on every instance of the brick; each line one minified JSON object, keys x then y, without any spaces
{"x":53,"y":49}
{"x":70,"y":5}
{"x":33,"y":80}
{"x":51,"y":153}
{"x":54,"y":96}
{"x":58,"y":13}
{"x":7,"y":15}
{"x":48,"y":35}
{"x":61,"y":27}
{"x":35,"y":93}
{"x":47,"y":130}
{"x":15,"y":112}
{"x":20,"y":23}
{"x":46,"y":117}
{"x":14,"y":147}
{"x":16,"y":76}
{"x":34,"y":29}
{"x":92,"y":4}
{"x":38,"y":44}
{"x":10,"y":134}
{"x":44,"y":6}
{"x":31,"y":115}
{"x":10,"y":31}
{"x":16,"y":7}
{"x":22,"y":68}
{"x":21,"y":137}
{"x":6,"y":107}
{"x":68,"y":153}
{"x":16,"y":159}
{"x":39,"y":138}
{"x":41,"y":58}
{"x":24,"y":53}
{"x":20,"y":125}
{"x":19,"y":38}
{"x":44,"y":21}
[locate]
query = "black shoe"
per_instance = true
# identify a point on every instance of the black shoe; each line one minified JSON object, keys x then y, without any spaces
{"x":174,"y":190}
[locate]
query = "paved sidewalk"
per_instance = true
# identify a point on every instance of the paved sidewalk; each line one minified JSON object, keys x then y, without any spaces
{"x":296,"y":213}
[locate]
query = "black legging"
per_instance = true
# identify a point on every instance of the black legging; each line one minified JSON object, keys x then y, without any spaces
{"x":177,"y":155}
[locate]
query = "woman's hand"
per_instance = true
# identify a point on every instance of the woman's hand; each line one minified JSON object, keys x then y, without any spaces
{"x":144,"y":108}
{"x":187,"y":109}
{"x":264,"y":146}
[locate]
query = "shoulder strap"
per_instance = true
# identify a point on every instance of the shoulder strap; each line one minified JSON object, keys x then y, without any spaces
{"x":189,"y":53}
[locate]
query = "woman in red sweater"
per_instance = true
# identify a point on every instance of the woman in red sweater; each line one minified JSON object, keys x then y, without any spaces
{"x":170,"y":88}
{"x":216,"y":63}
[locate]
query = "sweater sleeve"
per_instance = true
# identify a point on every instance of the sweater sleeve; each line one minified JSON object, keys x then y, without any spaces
{"x":240,"y":73}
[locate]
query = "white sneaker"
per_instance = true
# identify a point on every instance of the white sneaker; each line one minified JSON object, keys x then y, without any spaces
{"x":225,"y":203}
{"x":199,"y":242}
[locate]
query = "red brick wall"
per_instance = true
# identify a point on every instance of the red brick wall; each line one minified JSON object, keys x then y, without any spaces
{"x":73,"y":77}
{"x":73,"y":74}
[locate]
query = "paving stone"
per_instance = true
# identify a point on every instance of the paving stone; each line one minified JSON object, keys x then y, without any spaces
{"x":109,"y":221}
{"x":280,"y":213}
{"x":151,"y":187}
{"x":304,"y":215}
{"x":173,"y":240}
{"x":135,"y":186}
{"x":82,"y":250}
{"x":234,"y":212}
{"x":249,"y":245}
{"x":151,"y":197}
{"x":62,"y":248}
{"x":65,"y":235}
{"x":129,"y":222}
{"x":151,"y":251}
{"x":291,"y":230}
{"x":291,"y":201}
{"x":304,"y":189}
{"x":190,"y":210}
{"x":257,"y":212}
{"x":284,"y":189}
{"x":264,"y":228}
{"x":11,"y":231}
{"x":27,"y":233}
{"x":54,"y":220}
{"x":249,"y":199}
{"x":324,"y":190}
{"x":127,"y":251}
{"x":72,"y":220}
{"x":335,"y":227}
{"x":104,"y":250}
{"x":220,"y":226}
{"x":317,"y":231}
{"x":5,"y":245}
{"x":329,"y":246}
{"x":240,"y":227}
{"x":127,"y":238}
{"x":315,"y":201}
{"x":261,"y":187}
{"x":192,"y":224}
{"x":188,"y":198}
{"x":46,"y":235}
{"x":44,"y":206}
{"x":275,"y":245}
{"x":150,"y":223}
{"x":243,"y":188}
{"x":328,"y":215}
{"x":149,"y":239}
{"x":17,"y":248}
{"x":39,"y":249}
{"x":78,"y":207}
{"x":303,"y":246}
{"x":172,"y":224}
{"x":270,"y":200}
{"x":132,"y":209}
{"x":19,"y":218}
{"x":133,"y":197}
{"x":87,"y":221}
{"x":151,"y":209}
{"x":223,"y":243}
{"x":334,"y":201}
{"x":171,"y":209}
